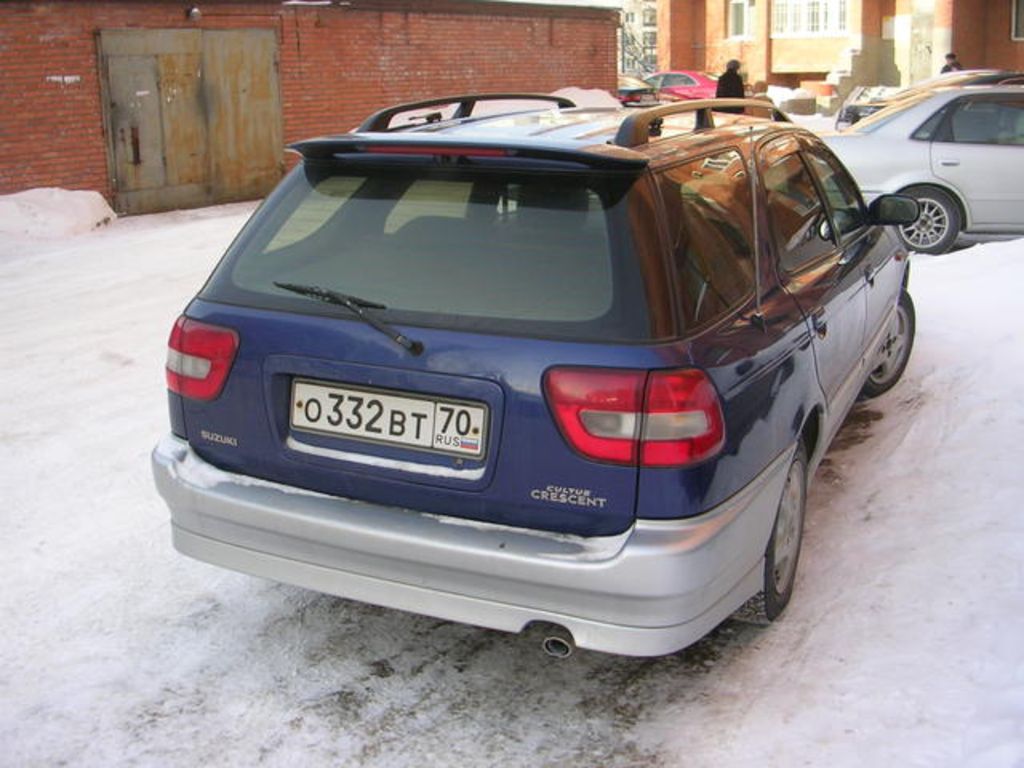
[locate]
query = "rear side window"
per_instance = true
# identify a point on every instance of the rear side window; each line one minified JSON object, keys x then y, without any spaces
{"x":930,"y":128}
{"x":708,"y":209}
{"x":678,"y":79}
{"x":987,"y":121}
{"x":508,"y":252}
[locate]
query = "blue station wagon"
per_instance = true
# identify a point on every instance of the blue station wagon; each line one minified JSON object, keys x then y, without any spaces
{"x":548,"y":365}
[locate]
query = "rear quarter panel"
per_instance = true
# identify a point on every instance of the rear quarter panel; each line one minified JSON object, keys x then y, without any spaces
{"x":766,"y":380}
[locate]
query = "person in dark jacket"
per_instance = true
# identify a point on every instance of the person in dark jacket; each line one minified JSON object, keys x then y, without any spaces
{"x":952,"y":64}
{"x":730,"y":85}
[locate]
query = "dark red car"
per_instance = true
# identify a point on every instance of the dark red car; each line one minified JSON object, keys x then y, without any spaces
{"x":680,"y":85}
{"x":634,"y":92}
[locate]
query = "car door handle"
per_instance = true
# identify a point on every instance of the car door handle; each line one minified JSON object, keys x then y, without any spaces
{"x":820,"y":323}
{"x":869,"y":275}
{"x":949,"y":162}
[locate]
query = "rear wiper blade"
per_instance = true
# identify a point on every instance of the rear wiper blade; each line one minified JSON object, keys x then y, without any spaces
{"x":357,"y":306}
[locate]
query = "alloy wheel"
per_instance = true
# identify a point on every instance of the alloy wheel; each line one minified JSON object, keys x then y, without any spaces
{"x":894,"y":348}
{"x":788,"y":529}
{"x":931,"y":226}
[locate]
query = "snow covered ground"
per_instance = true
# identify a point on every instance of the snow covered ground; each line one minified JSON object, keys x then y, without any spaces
{"x":904,"y":644}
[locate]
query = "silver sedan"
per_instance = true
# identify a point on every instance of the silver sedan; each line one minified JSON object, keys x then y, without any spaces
{"x":958,"y":150}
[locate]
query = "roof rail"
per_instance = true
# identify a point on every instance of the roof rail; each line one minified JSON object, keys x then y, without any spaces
{"x":637,"y":129}
{"x":381,"y":120}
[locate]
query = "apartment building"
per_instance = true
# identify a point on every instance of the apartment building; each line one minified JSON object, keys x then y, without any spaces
{"x":638,"y":36}
{"x":846,"y":42}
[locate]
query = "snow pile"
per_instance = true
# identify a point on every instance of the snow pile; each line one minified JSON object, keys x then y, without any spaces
{"x":816,"y":123}
{"x":53,"y":212}
{"x":592,"y":97}
{"x":780,"y":95}
{"x":581,"y":97}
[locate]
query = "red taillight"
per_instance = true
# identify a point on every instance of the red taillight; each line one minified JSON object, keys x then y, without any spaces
{"x":654,"y":419}
{"x":597,"y":410}
{"x":199,"y":358}
{"x":683,"y":421}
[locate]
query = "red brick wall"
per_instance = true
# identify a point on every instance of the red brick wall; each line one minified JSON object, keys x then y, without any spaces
{"x":337,"y":64}
{"x":989,"y":43}
{"x":753,"y":52}
{"x":681,"y":35}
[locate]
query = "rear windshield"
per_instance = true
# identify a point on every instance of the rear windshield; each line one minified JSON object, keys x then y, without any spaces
{"x":493,"y":251}
{"x":890,"y":112}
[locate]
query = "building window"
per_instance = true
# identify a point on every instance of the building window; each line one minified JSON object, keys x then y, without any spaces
{"x":741,"y":18}
{"x":1018,"y":19}
{"x":650,"y":39}
{"x":811,"y":17}
{"x":650,"y":17}
{"x":814,"y":17}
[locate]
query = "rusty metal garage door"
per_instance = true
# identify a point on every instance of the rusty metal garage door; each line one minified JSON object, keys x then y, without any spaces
{"x":192,"y":116}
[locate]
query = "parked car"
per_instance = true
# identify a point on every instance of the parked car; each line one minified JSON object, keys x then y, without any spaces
{"x":958,"y":150}
{"x":858,"y":108}
{"x":535,"y":370}
{"x":675,"y":86}
{"x":634,"y":92}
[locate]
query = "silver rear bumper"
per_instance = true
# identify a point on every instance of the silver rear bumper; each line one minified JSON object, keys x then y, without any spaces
{"x":650,"y":590}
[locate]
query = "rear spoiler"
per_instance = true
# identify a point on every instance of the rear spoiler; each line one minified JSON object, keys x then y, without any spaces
{"x":448,"y":148}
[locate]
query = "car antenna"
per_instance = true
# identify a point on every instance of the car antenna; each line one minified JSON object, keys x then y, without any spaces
{"x":758,"y":317}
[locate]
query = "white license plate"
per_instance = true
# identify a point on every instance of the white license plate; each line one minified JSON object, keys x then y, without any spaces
{"x":454,"y":427}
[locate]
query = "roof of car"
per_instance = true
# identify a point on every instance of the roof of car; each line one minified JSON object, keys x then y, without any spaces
{"x":601,"y":137}
{"x":966,"y":76}
{"x":962,"y":78}
{"x":632,"y":80}
{"x":682,"y":72}
{"x":896,"y":114}
{"x":953,"y":91}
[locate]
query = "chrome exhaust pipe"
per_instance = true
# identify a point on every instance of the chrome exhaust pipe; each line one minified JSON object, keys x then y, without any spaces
{"x":558,"y":646}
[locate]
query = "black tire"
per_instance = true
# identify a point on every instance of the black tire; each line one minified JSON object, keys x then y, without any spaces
{"x":939,"y":224}
{"x":782,"y":554}
{"x":894,"y":353}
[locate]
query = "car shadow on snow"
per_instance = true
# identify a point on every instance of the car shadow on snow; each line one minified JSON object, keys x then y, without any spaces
{"x":488,"y":697}
{"x":355,"y":684}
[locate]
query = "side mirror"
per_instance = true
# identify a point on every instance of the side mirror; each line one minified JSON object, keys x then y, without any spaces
{"x":894,"y":209}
